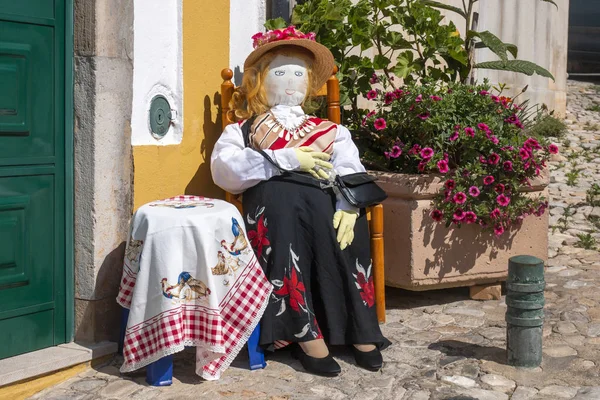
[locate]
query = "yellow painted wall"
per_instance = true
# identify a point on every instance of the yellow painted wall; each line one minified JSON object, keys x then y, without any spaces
{"x":166,"y":171}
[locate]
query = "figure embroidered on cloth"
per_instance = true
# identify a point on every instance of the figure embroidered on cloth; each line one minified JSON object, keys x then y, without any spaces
{"x":187,"y":288}
{"x":307,"y":238}
{"x":226,"y":265}
{"x":259,"y":236}
{"x":239,"y":243}
{"x":134,"y":250}
{"x":364,"y":283}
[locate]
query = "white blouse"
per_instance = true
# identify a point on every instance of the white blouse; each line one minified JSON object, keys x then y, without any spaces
{"x":236,"y":168}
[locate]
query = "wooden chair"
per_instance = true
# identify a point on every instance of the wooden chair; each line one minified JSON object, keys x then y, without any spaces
{"x":331,"y":90}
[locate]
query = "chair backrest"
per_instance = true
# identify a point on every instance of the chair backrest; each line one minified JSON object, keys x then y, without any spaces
{"x":331,"y":90}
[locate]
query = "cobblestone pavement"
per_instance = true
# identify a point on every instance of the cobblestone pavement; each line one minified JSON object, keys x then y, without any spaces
{"x":445,"y":345}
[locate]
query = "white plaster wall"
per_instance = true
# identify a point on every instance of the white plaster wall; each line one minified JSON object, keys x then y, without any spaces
{"x":540,"y":31}
{"x":247,"y":17}
{"x":157,"y":67}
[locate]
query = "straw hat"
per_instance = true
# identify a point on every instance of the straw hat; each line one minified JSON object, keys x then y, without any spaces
{"x":323,"y":63}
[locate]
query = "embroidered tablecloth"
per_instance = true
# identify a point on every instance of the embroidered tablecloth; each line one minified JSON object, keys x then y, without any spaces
{"x":190,"y":278}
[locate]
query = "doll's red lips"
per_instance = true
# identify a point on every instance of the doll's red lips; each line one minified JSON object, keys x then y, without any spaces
{"x":289,"y":91}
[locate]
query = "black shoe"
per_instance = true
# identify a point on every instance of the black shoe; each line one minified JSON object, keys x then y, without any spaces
{"x":371,"y":360}
{"x":326,"y":366}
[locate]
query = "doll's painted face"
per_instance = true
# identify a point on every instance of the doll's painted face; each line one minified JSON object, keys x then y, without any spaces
{"x":287,"y":81}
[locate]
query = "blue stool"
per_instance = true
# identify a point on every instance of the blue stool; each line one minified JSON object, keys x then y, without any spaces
{"x":160,"y":373}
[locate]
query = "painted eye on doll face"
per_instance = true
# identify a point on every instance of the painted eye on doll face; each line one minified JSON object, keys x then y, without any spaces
{"x":286,"y":82}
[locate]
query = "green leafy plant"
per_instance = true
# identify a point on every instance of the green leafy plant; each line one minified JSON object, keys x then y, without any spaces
{"x":547,"y":125}
{"x":473,"y":138}
{"x":586,"y":241}
{"x":563,"y":221}
{"x":594,"y":107}
{"x":594,"y":220}
{"x":592,"y":196}
{"x":486,"y":39}
{"x":409,"y":41}
{"x":573,"y":175}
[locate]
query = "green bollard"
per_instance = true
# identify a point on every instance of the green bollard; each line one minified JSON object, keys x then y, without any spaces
{"x":525,"y":311}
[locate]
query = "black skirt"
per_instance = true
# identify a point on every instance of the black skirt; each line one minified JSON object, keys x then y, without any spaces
{"x":319,"y":291}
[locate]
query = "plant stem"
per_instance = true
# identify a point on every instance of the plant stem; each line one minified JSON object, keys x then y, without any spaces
{"x":378,"y":44}
{"x":469,"y":42}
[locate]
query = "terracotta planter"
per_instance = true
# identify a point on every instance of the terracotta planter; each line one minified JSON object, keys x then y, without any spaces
{"x":421,"y":254}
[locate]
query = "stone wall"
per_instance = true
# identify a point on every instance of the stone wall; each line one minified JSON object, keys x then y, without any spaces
{"x":103,"y":161}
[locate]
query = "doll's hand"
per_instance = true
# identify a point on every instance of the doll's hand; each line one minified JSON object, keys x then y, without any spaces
{"x":309,"y":159}
{"x":344,"y":222}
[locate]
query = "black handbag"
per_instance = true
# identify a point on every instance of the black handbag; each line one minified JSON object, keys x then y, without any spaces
{"x":359,"y":189}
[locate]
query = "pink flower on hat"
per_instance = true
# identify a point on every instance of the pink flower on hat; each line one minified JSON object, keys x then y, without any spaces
{"x":275,"y":35}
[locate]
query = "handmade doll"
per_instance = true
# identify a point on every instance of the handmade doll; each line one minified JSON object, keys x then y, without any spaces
{"x":313,"y":247}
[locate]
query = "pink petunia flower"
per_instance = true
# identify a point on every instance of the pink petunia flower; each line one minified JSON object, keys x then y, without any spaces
{"x":494,"y":139}
{"x":474,"y":191}
{"x":507,"y":166}
{"x":424,"y":116}
{"x":524,"y":153}
{"x":435,"y":98}
{"x":513,"y":119}
{"x":503,"y":200}
{"x":414,"y":150}
{"x":443,"y":166}
{"x":437,"y":215}
{"x":374,"y":79}
{"x":470,"y":131}
{"x":427,"y":153}
{"x":499,"y":188}
{"x":454,"y":136}
{"x":553,"y":149}
{"x":483,"y":127}
{"x":484,"y":93}
{"x":419,"y":98}
{"x":386,"y":154}
{"x":447,"y":195}
{"x":495,"y":214}
{"x":482,"y":159}
{"x":470,"y":217}
{"x":460,"y":198}
{"x":421,"y":166}
{"x":532,"y":144}
{"x":495,"y":98}
{"x":380,"y":124}
{"x":498,"y":230}
{"x":450,"y":184}
{"x":494,"y":159}
{"x":488,"y":180}
{"x":396,"y":152}
{"x":459,"y":214}
{"x":371,"y":94}
{"x":389,"y":98}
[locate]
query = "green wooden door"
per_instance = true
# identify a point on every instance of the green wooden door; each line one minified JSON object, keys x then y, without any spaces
{"x":32,"y":175}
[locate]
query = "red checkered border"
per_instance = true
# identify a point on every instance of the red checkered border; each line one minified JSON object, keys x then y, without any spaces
{"x":189,"y":325}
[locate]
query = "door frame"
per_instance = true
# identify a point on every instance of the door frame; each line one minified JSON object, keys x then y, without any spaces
{"x":69,"y":173}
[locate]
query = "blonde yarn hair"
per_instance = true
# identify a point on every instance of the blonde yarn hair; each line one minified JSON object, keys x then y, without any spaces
{"x":250,"y":98}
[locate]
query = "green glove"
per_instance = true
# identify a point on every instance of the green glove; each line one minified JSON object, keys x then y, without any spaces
{"x":309,"y":159}
{"x":344,"y":222}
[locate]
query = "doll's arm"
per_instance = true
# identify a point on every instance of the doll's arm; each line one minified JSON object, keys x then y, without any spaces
{"x":345,"y":161}
{"x":236,"y":168}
